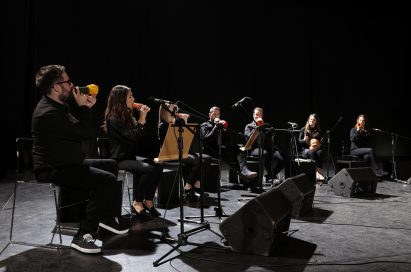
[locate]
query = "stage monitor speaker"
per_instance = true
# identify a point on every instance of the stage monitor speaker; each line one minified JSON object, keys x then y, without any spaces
{"x":260,"y":225}
{"x":350,"y":182}
{"x":299,"y":191}
{"x":301,"y":166}
{"x":167,"y":189}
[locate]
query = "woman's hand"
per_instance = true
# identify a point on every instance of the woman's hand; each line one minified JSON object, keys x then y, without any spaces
{"x":143,"y":114}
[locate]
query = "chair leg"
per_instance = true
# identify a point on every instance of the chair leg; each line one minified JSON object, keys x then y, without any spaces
{"x":58,"y":214}
{"x":128,"y":192}
{"x":11,"y":241}
{"x":12,"y":219}
{"x":126,"y":184}
{"x":13,"y":210}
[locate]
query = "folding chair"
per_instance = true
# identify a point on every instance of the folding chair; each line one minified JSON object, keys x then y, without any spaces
{"x":25,"y":175}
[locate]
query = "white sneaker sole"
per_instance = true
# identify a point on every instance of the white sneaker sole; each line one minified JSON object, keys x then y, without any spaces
{"x":86,"y":250}
{"x":113,"y":230}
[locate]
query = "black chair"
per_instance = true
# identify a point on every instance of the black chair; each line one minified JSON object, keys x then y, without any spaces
{"x":347,"y":160}
{"x":25,"y":175}
{"x":103,"y":150}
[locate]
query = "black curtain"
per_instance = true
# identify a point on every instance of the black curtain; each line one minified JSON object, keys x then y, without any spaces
{"x":292,"y":58}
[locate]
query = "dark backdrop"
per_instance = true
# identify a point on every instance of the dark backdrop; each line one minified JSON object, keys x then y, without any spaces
{"x":292,"y":58}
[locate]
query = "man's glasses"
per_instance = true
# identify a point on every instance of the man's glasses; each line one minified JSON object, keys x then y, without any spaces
{"x":66,"y":81}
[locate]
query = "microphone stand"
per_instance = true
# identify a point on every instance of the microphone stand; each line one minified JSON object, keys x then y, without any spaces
{"x":293,"y":148}
{"x":240,"y":104}
{"x":294,"y":143}
{"x":260,"y":160}
{"x":328,"y":136}
{"x":218,"y":210}
{"x":260,"y":141}
{"x":183,"y":235}
{"x":394,"y":139}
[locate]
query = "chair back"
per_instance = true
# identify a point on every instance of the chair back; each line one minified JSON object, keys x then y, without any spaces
{"x":24,"y":148}
{"x":103,"y":148}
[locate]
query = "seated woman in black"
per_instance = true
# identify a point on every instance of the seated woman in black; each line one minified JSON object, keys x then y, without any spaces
{"x":360,"y":136}
{"x":309,"y":139}
{"x":125,"y":135}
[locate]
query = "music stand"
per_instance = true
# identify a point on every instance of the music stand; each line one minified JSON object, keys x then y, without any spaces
{"x":168,"y":152}
{"x":170,"y":149}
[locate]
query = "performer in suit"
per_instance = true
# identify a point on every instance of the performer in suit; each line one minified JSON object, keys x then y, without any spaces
{"x":274,"y":161}
{"x":230,"y":152}
{"x":58,"y":155}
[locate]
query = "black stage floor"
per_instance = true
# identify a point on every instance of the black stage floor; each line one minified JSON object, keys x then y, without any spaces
{"x":341,"y":234}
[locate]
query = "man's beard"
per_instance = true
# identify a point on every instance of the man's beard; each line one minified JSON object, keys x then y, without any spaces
{"x":64,"y":95}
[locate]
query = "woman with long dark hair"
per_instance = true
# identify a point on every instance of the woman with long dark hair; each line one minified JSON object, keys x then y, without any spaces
{"x":309,"y":139}
{"x":125,"y":135}
{"x":360,"y":136}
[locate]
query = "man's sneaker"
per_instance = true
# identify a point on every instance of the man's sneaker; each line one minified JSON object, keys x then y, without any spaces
{"x":245,"y":173}
{"x":116,"y":225}
{"x":85,"y":244}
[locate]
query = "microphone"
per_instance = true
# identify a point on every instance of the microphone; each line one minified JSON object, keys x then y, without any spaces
{"x":158,"y":100}
{"x":377,"y":129}
{"x":292,"y":124}
{"x":239,"y":102}
{"x":89,"y":89}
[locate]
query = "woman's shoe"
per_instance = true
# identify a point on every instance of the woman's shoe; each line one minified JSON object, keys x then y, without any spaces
{"x":320,"y":174}
{"x":198,"y":191}
{"x":190,"y":195}
{"x":142,"y":214}
{"x":152,"y":211}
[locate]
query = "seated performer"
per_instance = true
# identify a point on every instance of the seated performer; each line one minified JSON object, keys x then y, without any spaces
{"x":125,"y":132}
{"x":230,"y":152}
{"x":359,"y":136}
{"x":58,"y":155}
{"x":274,"y":161}
{"x":309,"y":139}
{"x":191,"y":168}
